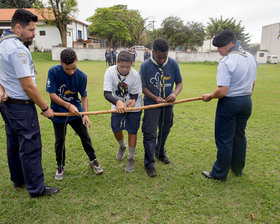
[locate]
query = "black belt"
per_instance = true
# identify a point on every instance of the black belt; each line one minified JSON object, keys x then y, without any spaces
{"x":18,"y":101}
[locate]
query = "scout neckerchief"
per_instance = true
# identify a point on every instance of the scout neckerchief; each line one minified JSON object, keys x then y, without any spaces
{"x":122,"y":86}
{"x":7,"y":34}
{"x":161,"y":79}
{"x":237,"y":50}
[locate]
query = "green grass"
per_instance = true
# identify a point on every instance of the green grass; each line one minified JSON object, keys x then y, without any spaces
{"x":179,"y":194}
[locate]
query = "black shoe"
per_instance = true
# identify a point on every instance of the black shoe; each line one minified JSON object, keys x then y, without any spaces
{"x":207,"y":174}
{"x":164,"y":159}
{"x":48,"y":191}
{"x":151,"y":172}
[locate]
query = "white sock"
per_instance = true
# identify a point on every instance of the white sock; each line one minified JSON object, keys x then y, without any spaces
{"x":131,"y":152}
{"x":122,"y":143}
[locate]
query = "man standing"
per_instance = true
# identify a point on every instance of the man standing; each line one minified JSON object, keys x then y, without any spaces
{"x":64,"y":83}
{"x":158,"y":74}
{"x":236,"y":77}
{"x":17,"y":77}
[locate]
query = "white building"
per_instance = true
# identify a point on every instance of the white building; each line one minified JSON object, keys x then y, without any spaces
{"x":270,"y":42}
{"x":48,"y":35}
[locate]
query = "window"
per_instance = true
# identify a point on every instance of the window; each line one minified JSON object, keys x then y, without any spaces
{"x":79,"y":34}
{"x":261,"y":55}
{"x":42,"y":33}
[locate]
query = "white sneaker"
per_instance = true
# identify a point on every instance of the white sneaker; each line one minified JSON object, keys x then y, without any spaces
{"x":130,"y":165}
{"x":96,"y":167}
{"x":59,"y":173}
{"x":120,"y":153}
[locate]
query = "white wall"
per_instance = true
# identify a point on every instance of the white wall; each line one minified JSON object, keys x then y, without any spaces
{"x":75,"y":26}
{"x":270,"y":40}
{"x":99,"y":55}
{"x":261,"y":56}
{"x":46,"y":42}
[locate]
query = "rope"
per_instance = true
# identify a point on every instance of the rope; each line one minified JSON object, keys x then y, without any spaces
{"x":131,"y":109}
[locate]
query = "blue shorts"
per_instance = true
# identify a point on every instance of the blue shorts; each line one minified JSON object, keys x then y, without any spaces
{"x":129,"y":121}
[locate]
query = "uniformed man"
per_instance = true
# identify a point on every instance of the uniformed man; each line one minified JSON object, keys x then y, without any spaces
{"x":17,"y":77}
{"x":235,"y":80}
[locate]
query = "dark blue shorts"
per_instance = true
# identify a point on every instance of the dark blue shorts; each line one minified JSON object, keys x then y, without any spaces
{"x":129,"y":121}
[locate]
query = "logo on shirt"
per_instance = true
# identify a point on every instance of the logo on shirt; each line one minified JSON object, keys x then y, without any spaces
{"x":63,"y":94}
{"x":155,"y":81}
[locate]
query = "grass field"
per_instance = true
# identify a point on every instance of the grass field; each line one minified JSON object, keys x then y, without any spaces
{"x":179,"y":194}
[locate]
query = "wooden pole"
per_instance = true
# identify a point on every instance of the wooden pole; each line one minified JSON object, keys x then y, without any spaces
{"x":131,"y":108}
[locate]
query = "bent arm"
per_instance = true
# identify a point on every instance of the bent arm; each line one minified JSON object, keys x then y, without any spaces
{"x":32,"y":92}
{"x":219,"y":92}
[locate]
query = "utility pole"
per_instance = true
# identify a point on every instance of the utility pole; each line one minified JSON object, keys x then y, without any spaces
{"x":152,"y":23}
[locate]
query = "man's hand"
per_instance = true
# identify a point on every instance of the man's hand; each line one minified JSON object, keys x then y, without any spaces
{"x":73,"y":110}
{"x":48,"y":113}
{"x":120,"y":107}
{"x":3,"y":97}
{"x":87,"y":120}
{"x":206,"y":97}
{"x":171,"y":97}
{"x":131,"y":103}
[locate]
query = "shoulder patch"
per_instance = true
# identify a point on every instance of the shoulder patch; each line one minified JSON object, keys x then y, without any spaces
{"x":24,"y":57}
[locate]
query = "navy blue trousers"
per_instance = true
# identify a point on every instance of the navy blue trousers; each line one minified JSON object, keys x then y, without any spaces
{"x":24,"y":147}
{"x":82,"y":132}
{"x":161,"y":119}
{"x":232,"y":115}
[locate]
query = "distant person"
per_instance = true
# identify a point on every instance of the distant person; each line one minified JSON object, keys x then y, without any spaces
{"x":108,"y":57}
{"x":134,"y":54}
{"x":64,"y":83}
{"x":20,"y":94}
{"x":236,"y":77}
{"x":147,"y":54}
{"x":122,"y":88}
{"x":114,"y":56}
{"x":159,"y":74}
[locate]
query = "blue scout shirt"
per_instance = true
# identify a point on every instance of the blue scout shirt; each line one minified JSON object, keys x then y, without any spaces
{"x":150,"y":76}
{"x":15,"y":63}
{"x":237,"y":70}
{"x":67,"y":88}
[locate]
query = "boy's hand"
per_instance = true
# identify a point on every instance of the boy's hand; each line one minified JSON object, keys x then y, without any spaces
{"x":120,"y":107}
{"x":73,"y":110}
{"x":160,"y":100}
{"x":171,"y":97}
{"x":131,"y":103}
{"x":87,"y":120}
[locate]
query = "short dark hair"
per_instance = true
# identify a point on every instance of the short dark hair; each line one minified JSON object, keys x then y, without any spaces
{"x":23,"y":17}
{"x":125,"y":56}
{"x":68,"y":56}
{"x":160,"y":44}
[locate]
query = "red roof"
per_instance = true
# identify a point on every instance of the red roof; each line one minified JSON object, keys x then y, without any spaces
{"x":7,"y":14}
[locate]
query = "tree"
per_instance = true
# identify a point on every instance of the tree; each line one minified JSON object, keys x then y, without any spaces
{"x":16,"y":3}
{"x":61,"y":9}
{"x":117,"y":24}
{"x":216,"y":25}
{"x":105,"y":24}
{"x":189,"y":36}
{"x":134,"y":23}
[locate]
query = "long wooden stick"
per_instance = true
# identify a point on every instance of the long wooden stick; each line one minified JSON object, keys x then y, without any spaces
{"x":131,"y":108}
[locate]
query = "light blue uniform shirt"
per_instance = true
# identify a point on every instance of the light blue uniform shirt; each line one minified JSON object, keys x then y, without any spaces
{"x":15,"y":63}
{"x":238,"y":72}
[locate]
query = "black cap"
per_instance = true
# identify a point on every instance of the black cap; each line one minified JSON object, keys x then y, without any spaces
{"x":224,"y":38}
